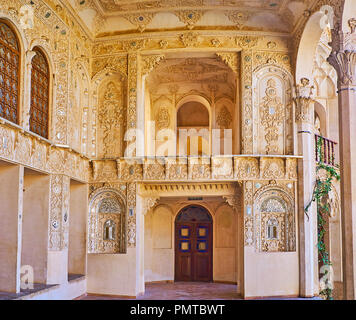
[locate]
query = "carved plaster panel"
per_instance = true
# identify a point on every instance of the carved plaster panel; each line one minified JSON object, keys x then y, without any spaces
{"x":246,"y":168}
{"x":111,"y":119}
{"x":129,"y":170}
{"x":273,"y":112}
{"x":222,"y":168}
{"x":272,"y":168}
{"x":274,"y":219}
{"x":107,"y":221}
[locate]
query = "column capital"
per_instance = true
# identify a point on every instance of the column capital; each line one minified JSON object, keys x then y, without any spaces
{"x":29,"y":56}
{"x":343,"y":55}
{"x":304,"y":101}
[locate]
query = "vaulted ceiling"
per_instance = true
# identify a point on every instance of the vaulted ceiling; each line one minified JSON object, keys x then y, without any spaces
{"x":115,"y":17}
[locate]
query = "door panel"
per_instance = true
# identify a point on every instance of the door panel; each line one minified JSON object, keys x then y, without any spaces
{"x":203,"y":250}
{"x":185,"y":268}
{"x":202,"y":268}
{"x":193,"y":251}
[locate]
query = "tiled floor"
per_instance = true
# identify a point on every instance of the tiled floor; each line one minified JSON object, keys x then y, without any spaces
{"x":186,"y":291}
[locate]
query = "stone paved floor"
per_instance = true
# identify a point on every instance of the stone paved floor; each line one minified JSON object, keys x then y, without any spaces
{"x":187,"y":291}
{"x":37,"y":287}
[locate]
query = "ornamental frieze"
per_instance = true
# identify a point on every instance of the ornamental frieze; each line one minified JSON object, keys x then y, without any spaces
{"x":153,"y":170}
{"x":129,"y":170}
{"x":268,"y":48}
{"x":272,"y":168}
{"x":24,"y":148}
{"x":196,"y":168}
{"x":246,"y":168}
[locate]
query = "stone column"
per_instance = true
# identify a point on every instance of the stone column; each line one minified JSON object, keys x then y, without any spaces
{"x":25,"y":121}
{"x":343,"y":59}
{"x":308,"y":262}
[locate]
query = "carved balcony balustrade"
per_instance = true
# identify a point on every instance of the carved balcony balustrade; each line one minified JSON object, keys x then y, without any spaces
{"x":214,"y":168}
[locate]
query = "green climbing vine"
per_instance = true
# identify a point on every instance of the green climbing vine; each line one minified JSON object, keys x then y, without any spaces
{"x":320,"y":196}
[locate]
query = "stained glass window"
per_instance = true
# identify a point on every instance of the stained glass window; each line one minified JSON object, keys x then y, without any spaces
{"x":9,"y":73}
{"x":39,"y":94}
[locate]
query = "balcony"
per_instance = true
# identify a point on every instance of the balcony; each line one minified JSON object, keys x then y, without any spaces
{"x":326,"y":151}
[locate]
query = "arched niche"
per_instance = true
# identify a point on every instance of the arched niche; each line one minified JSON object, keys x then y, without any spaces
{"x":193,"y":114}
{"x":273,"y":111}
{"x":107,"y":221}
{"x":275,"y":221}
{"x":194,"y":122}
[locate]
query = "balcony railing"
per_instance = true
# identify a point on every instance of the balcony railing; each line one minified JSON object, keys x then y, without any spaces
{"x":325,"y":150}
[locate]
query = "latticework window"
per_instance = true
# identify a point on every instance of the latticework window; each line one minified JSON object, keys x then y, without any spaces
{"x":39,"y":94}
{"x":9,"y":73}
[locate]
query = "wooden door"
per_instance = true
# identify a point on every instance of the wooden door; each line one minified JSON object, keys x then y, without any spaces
{"x":193,"y":247}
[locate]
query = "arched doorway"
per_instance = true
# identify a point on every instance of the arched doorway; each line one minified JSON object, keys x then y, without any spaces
{"x":193,"y":245}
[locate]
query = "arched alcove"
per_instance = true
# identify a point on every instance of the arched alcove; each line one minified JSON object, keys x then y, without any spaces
{"x":107,"y":222}
{"x":274,"y":210}
{"x":193,"y":129}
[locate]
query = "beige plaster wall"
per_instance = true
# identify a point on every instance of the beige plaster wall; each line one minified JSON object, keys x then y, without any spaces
{"x":271,"y":274}
{"x":11,"y":179}
{"x":77,"y":245}
{"x":35,"y":223}
{"x":224,"y":255}
{"x":57,"y":271}
{"x":159,"y":250}
{"x":112,"y":274}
